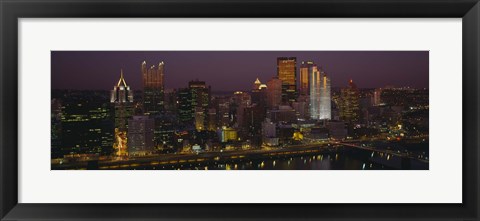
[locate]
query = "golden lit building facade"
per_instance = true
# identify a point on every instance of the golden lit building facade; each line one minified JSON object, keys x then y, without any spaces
{"x":305,"y":70}
{"x":153,"y":88}
{"x":287,"y":73}
{"x":349,"y":106}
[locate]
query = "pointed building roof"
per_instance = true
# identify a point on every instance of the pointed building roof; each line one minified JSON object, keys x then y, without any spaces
{"x":121,"y":80}
{"x":257,"y":81}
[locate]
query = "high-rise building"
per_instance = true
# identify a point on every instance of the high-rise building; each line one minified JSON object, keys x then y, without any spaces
{"x":377,"y":97}
{"x":315,"y":85}
{"x":185,"y":111}
{"x":253,"y":116}
{"x":140,"y":135}
{"x":287,"y":73}
{"x":153,"y":88}
{"x":201,"y":96}
{"x":305,"y":69}
{"x":194,"y":103}
{"x":349,"y":103}
{"x":212,"y":119}
{"x":122,"y":98}
{"x":222,"y":105}
{"x":325,"y":97}
{"x":274,"y":92}
{"x":259,"y":93}
{"x":86,"y":123}
{"x":241,"y":100}
{"x":200,"y":118}
{"x":256,"y":84}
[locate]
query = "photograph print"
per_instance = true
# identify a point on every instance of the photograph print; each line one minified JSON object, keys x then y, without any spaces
{"x":239,"y":110}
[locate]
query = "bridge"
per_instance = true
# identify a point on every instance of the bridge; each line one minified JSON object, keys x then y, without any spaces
{"x":389,"y":152}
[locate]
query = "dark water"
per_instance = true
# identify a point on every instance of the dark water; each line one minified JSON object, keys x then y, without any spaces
{"x":331,"y":161}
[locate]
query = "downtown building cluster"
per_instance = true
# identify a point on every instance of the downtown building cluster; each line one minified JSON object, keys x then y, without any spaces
{"x":296,"y":106}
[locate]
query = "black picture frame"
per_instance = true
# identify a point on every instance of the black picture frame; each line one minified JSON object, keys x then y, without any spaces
{"x":12,"y":10}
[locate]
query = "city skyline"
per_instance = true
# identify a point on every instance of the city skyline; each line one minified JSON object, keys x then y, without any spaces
{"x":236,"y":70}
{"x":290,"y":119}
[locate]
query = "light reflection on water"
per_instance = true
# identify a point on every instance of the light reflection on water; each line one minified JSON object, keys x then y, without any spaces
{"x":313,"y":162}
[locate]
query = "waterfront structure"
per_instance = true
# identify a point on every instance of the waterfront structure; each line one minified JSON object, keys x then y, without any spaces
{"x":140,"y":136}
{"x":274,"y":92}
{"x":349,"y":103}
{"x":153,"y":88}
{"x":287,"y":73}
{"x":337,"y":130}
{"x":227,"y":134}
{"x":269,"y":133}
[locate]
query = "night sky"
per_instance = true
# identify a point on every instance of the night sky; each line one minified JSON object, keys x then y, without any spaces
{"x":235,"y":70}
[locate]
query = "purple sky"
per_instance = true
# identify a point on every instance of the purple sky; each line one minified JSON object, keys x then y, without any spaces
{"x":236,"y":70}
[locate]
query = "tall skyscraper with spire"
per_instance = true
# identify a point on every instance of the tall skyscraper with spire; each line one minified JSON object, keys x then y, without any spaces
{"x":287,"y":73}
{"x":153,"y":88}
{"x":122,"y":98}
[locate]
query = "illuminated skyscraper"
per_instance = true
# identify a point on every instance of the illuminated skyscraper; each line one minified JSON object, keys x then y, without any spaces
{"x":305,"y":69}
{"x":140,"y":135}
{"x":349,"y":103}
{"x":256,"y":85}
{"x":122,"y":98}
{"x":274,"y":92}
{"x":200,"y":96}
{"x":314,"y":88}
{"x":153,"y":88}
{"x":259,"y":93}
{"x":86,"y":121}
{"x":325,"y":97}
{"x":287,"y":73}
{"x":194,"y":103}
{"x":185,"y":111}
{"x":377,"y":97}
{"x":315,"y":85}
